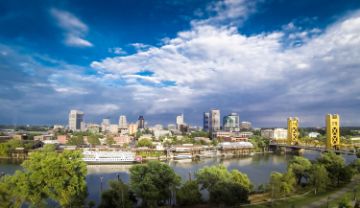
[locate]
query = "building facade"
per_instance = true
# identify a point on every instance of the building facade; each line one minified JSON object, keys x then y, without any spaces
{"x":75,"y":119}
{"x":132,"y":128}
{"x":123,"y":122}
{"x":179,"y":120}
{"x":231,"y":122}
{"x":245,"y":125}
{"x":214,"y":120}
{"x":141,"y":122}
{"x":105,"y":125}
{"x":206,"y":120}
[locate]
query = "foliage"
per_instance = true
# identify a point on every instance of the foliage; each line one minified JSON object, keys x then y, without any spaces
{"x":47,"y":175}
{"x":8,"y":147}
{"x":110,"y":141}
{"x":335,"y":166}
{"x":344,"y":203}
{"x":76,"y":140}
{"x":281,"y":184}
{"x":319,"y":178}
{"x":199,"y":134}
{"x":301,"y":167}
{"x":260,"y":143}
{"x":225,"y":187}
{"x":118,"y":196}
{"x":145,"y":143}
{"x":153,"y":182}
{"x":188,"y":194}
{"x":94,"y":139}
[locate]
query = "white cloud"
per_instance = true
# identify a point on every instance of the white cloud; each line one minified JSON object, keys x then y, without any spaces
{"x":117,"y":51}
{"x":75,"y":29}
{"x":209,"y":61}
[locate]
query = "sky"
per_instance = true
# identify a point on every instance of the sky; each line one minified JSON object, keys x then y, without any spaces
{"x":263,"y":59}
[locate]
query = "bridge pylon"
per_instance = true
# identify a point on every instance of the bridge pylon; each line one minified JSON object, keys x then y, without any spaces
{"x":332,"y":131}
{"x":293,"y":130}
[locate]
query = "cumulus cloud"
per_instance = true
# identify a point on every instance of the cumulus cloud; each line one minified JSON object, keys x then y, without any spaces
{"x":74,"y":28}
{"x":210,"y":61}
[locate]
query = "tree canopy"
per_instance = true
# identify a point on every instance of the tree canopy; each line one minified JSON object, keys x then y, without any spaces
{"x":301,"y":167}
{"x":153,"y":182}
{"x":118,"y":196}
{"x":47,"y":175}
{"x":189,"y":193}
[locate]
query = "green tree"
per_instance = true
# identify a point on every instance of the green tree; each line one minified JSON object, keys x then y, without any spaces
{"x":335,"y":166}
{"x":47,"y":175}
{"x":301,"y":167}
{"x":319,"y":178}
{"x":188,"y":194}
{"x":76,"y":140}
{"x":224,"y":187}
{"x":153,"y":182}
{"x":110,"y":141}
{"x":344,"y":203}
{"x":282,"y":184}
{"x":145,"y":143}
{"x":118,"y":196}
{"x":94,"y":140}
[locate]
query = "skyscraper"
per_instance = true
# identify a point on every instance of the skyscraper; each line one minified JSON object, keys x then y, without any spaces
{"x":75,"y":119}
{"x":105,"y":125}
{"x":123,"y":122}
{"x":179,"y":120}
{"x":214,"y":120}
{"x":141,"y":122}
{"x":231,"y":122}
{"x":206,"y":120}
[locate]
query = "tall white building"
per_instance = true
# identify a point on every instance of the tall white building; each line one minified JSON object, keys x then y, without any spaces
{"x":122,"y":122}
{"x":179,"y":120}
{"x":105,"y":125}
{"x":75,"y":119}
{"x":214,"y":124}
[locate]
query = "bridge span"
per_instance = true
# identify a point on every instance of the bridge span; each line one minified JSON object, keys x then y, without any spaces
{"x":313,"y":148}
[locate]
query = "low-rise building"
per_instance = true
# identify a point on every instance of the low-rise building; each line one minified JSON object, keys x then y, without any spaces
{"x":159,"y":133}
{"x":235,"y":139}
{"x":62,"y":139}
{"x":277,"y":133}
{"x":122,"y":139}
{"x":314,"y":134}
{"x":114,"y":129}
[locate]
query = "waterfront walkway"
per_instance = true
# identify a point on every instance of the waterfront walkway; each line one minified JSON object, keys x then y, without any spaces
{"x":323,"y":202}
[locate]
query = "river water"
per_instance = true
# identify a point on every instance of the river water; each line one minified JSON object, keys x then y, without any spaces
{"x":258,"y":168}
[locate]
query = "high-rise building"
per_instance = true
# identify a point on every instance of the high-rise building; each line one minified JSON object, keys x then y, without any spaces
{"x":75,"y":119}
{"x":179,"y":120}
{"x":214,"y":124}
{"x":133,"y":127}
{"x":231,"y":122}
{"x":245,"y":125}
{"x":105,"y":125}
{"x":141,"y":122}
{"x":206,"y":121}
{"x":123,"y":122}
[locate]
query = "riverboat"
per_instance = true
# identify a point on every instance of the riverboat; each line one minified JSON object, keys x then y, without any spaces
{"x":110,"y":157}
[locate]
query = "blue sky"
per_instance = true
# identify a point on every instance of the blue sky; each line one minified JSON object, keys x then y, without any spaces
{"x":266,"y":60}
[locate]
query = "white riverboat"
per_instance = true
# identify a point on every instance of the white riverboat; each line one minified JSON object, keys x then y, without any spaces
{"x":109,"y":157}
{"x":182,"y":157}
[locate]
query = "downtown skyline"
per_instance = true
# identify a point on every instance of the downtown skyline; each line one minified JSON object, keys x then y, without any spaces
{"x":265,"y":60}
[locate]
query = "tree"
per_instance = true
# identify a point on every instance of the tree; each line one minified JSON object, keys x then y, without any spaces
{"x":94,"y":140}
{"x":301,"y":167}
{"x":153,"y":182}
{"x":188,"y":194}
{"x":282,"y":184}
{"x":110,"y":141}
{"x":224,"y":187}
{"x":145,"y":143}
{"x":334,"y":165}
{"x":319,"y":178}
{"x":48,"y":175}
{"x":118,"y":196}
{"x":76,"y":140}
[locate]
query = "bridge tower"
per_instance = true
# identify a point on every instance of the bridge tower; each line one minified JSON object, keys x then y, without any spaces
{"x":332,"y":131}
{"x":293,"y":130}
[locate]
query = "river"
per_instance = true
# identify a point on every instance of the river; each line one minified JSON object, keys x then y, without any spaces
{"x":258,"y":168}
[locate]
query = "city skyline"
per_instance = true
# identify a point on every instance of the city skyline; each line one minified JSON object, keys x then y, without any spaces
{"x":265,"y":60}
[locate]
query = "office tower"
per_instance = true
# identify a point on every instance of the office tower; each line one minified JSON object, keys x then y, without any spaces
{"x":293,"y":130}
{"x":133,"y":127}
{"x":245,"y":125}
{"x":105,"y":125}
{"x":141,"y":122}
{"x":332,"y":131}
{"x":179,"y":120}
{"x":75,"y":119}
{"x":123,"y":122}
{"x":231,"y":122}
{"x":214,"y":120}
{"x":206,"y":120}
